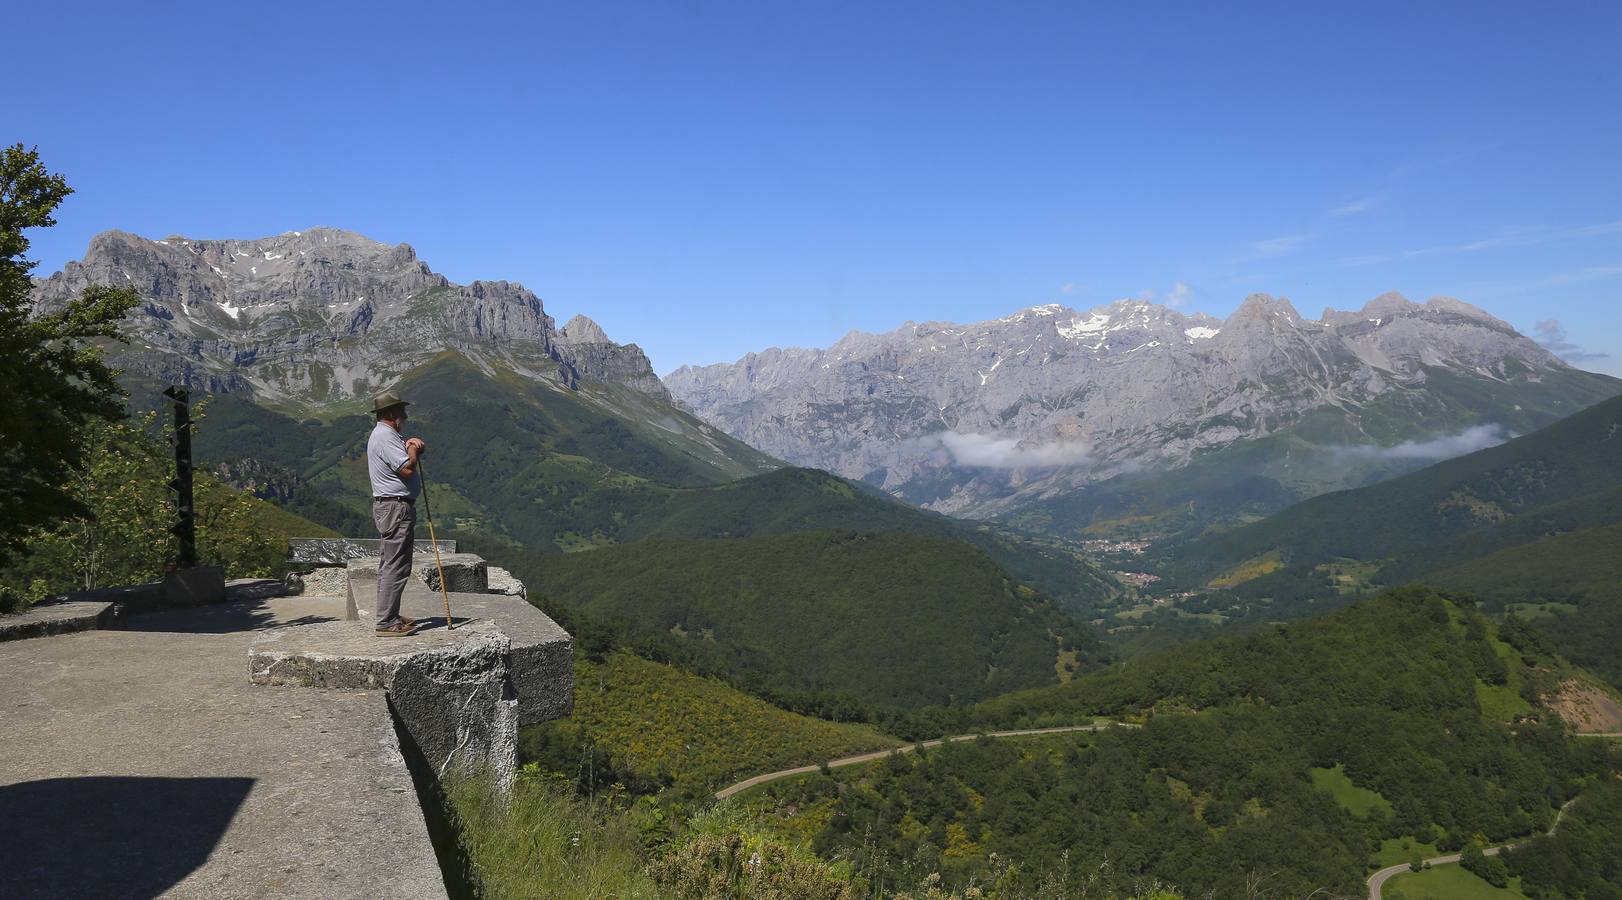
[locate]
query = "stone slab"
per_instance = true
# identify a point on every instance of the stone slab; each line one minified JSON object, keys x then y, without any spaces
{"x":465,"y":573}
{"x":327,"y":580}
{"x":141,"y":763}
{"x":60,"y":617}
{"x":338,"y":551}
{"x":542,"y":652}
{"x":501,"y":581}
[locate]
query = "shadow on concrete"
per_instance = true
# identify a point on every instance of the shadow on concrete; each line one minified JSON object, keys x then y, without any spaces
{"x":220,"y":618}
{"x":111,"y":836}
{"x":433,"y":623}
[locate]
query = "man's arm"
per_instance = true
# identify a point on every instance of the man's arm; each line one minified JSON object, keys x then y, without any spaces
{"x":414,"y":448}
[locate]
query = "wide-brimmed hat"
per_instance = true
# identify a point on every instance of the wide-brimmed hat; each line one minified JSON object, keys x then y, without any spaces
{"x":386,"y":400}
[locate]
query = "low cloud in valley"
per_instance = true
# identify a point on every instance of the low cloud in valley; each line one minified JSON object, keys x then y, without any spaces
{"x":989,"y":452}
{"x":1476,"y":437}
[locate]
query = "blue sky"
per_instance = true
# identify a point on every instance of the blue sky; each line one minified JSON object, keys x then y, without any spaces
{"x":708,"y":179}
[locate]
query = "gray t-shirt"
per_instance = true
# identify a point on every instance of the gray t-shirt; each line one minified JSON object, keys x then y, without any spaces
{"x":385,"y":454}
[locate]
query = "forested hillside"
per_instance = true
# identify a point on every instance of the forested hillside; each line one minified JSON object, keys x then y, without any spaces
{"x":1300,"y":755}
{"x":1533,"y":526}
{"x":648,"y":726}
{"x":1575,"y":459}
{"x":886,"y":618}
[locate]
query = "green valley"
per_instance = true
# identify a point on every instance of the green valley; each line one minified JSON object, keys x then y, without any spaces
{"x":887,"y":618}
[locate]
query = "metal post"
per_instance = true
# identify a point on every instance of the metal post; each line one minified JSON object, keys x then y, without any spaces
{"x":186,"y":528}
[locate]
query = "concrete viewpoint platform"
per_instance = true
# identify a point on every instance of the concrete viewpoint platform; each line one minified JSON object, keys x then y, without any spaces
{"x":461,"y":693}
{"x":142,"y":762}
{"x":152,"y":762}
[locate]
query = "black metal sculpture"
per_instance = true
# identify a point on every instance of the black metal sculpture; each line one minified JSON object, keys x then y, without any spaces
{"x":186,"y":528}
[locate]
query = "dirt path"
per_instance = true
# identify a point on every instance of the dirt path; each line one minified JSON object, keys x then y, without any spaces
{"x":880,"y":754}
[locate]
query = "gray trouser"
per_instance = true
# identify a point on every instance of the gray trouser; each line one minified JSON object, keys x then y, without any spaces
{"x":395,"y":522}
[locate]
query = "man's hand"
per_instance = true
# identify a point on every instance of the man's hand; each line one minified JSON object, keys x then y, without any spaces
{"x":416,"y":445}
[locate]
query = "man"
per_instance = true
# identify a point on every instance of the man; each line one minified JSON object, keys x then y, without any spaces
{"x":392,"y":461}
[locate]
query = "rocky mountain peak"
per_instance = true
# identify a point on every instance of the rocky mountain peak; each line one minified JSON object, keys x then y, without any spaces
{"x":1461,"y":308}
{"x":1264,"y":307}
{"x":1389,"y":303}
{"x":582,"y":330}
{"x":318,"y":315}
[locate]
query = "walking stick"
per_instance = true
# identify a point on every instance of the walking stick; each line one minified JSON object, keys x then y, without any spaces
{"x":429,"y":511}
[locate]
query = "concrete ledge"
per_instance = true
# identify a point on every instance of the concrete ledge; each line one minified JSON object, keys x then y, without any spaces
{"x":501,"y":581}
{"x":465,"y":573}
{"x":61,"y":617}
{"x":348,"y":655}
{"x":460,"y":693}
{"x":542,"y":652}
{"x":337,"y":551}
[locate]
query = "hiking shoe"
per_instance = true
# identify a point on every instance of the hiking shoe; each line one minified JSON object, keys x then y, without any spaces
{"x":411,"y":622}
{"x":398,"y":629}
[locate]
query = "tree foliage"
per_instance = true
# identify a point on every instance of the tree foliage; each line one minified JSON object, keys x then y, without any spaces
{"x":122,"y":534}
{"x":51,"y":372}
{"x":1216,"y":787}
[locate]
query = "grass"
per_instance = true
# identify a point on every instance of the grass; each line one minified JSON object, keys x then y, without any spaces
{"x":659,"y":719}
{"x":1350,"y":576}
{"x":1358,"y":801}
{"x":1401,"y":850}
{"x":1531,"y":611}
{"x":1448,"y":882}
{"x":1249,"y":570}
{"x":547,"y":843}
{"x":1503,"y":702}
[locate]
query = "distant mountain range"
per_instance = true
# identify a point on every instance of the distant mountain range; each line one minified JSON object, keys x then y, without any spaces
{"x":316,"y":317}
{"x":1134,"y":416}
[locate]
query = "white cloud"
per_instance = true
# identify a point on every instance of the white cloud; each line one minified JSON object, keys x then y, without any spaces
{"x":1360,"y":205}
{"x":1553,"y":338}
{"x":1520,"y":237}
{"x":1544,"y":282}
{"x":1177,"y":296}
{"x":990,"y":452}
{"x":1477,"y":437}
{"x":1277,"y":246}
{"x":1069,"y":287}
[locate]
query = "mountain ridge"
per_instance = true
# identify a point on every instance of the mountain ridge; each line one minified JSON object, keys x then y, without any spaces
{"x":988,"y":418}
{"x":319,"y":316}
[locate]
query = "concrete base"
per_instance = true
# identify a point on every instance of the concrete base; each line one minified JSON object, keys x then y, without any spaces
{"x":461,"y":693}
{"x":197,"y":586}
{"x":464,"y":573}
{"x":61,"y":617}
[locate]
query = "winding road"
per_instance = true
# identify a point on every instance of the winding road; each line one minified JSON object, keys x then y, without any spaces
{"x":748,"y":783}
{"x":1378,"y":879}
